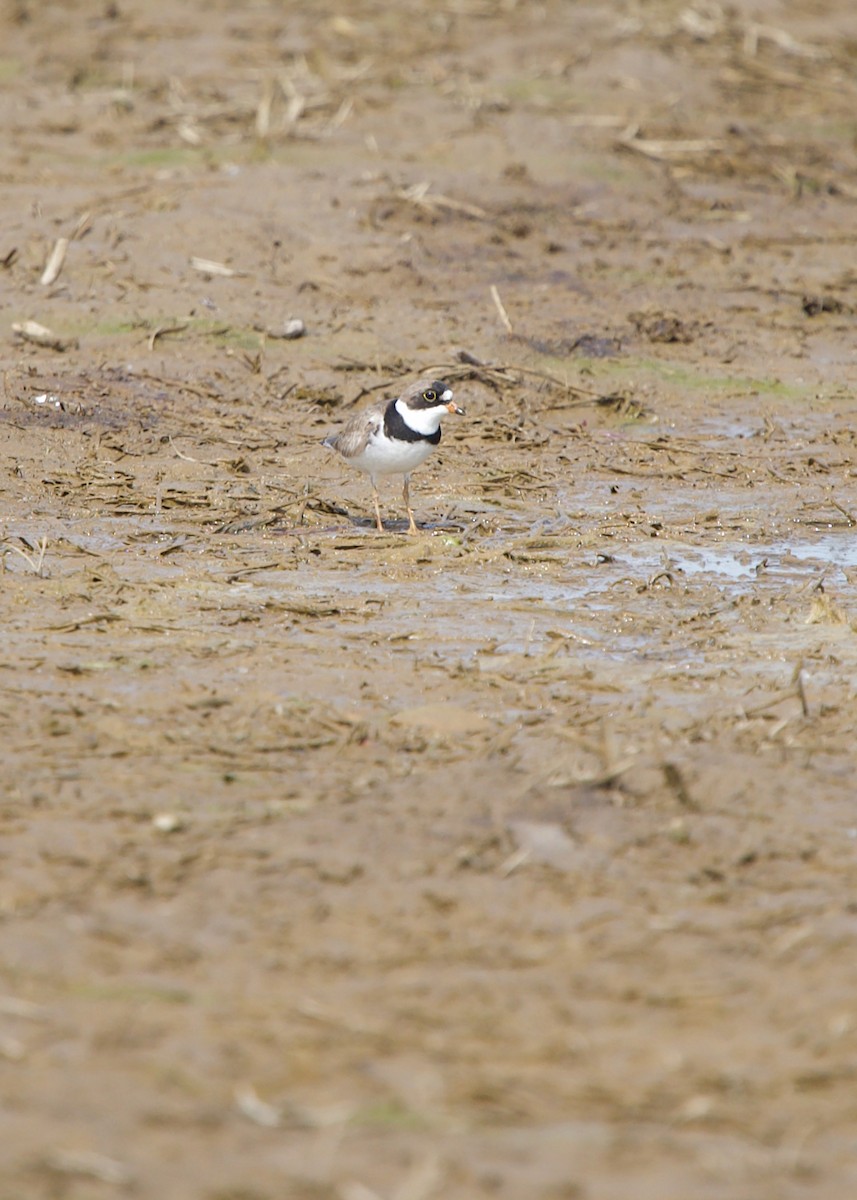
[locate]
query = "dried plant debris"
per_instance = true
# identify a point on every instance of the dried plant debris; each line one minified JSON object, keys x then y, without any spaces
{"x":89,"y":1164}
{"x":419,"y":199}
{"x":625,"y":406}
{"x":211,"y":267}
{"x":814,"y":305}
{"x":659,"y":326}
{"x":474,"y":824}
{"x":670,"y":149}
{"x":585,"y":345}
{"x":55,"y":262}
{"x":40,"y":335}
{"x":422,"y":197}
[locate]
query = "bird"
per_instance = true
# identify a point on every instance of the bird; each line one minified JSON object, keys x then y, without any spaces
{"x":395,"y":436}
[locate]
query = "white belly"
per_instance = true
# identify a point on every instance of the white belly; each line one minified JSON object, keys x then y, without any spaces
{"x":382,"y":457}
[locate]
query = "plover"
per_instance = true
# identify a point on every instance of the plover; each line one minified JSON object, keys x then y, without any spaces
{"x":393,"y":437}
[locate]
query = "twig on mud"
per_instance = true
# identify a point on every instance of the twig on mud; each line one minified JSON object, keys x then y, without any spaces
{"x":657,"y":473}
{"x":806,"y":82}
{"x":163,"y":330}
{"x":264,"y":109}
{"x":664,"y":149}
{"x":498,"y":304}
{"x":254,"y":1108}
{"x":418,"y":194}
{"x":754,"y":34}
{"x":662,"y":576}
{"x":26,"y":1010}
{"x":32,"y":331}
{"x":675,"y":780}
{"x":849,"y":516}
{"x":815,"y":583}
{"x":800,"y":688}
{"x":676,"y":445}
{"x":35,"y":563}
{"x":609,"y":776}
{"x":296,"y":103}
{"x":82,"y":226}
{"x":622,"y":405}
{"x":780,"y":697}
{"x":89,"y":1164}
{"x":55,"y":262}
{"x":340,"y":116}
{"x":297,"y":88}
{"x":179,"y":454}
{"x":182,"y":385}
{"x":208,"y":266}
{"x":234,"y":575}
{"x":72,"y":626}
{"x":305,"y":608}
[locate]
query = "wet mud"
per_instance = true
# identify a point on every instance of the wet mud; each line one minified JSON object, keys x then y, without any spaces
{"x":514,"y":858}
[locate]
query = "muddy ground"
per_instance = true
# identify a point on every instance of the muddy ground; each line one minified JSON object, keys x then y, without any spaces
{"x":514,"y":859}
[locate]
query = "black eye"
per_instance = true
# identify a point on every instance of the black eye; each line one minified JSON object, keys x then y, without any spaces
{"x":430,"y":396}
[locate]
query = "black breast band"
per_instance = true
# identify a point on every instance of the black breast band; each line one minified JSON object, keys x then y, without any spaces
{"x":396,"y":427}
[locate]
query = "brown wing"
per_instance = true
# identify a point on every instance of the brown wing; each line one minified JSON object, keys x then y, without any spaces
{"x":355,"y":433}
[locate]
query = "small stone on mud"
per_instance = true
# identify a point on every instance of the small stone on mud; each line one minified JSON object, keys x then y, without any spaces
{"x":168,"y":822}
{"x":295,"y":328}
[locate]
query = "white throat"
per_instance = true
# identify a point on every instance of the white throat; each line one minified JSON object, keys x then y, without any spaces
{"x":421,"y":420}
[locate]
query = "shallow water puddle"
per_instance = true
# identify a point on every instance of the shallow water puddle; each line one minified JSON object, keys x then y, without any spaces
{"x":834,"y":550}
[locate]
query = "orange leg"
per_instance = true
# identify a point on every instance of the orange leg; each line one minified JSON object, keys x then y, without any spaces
{"x":378,"y":522}
{"x":406,"y":495}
